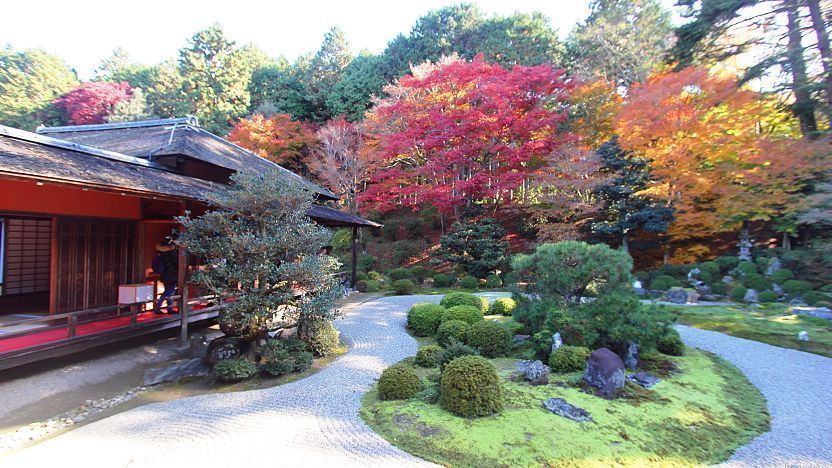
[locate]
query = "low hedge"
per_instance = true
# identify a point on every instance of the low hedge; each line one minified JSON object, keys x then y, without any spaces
{"x":796,"y":287}
{"x":470,"y":387}
{"x":424,"y":318}
{"x":767,"y":296}
{"x":279,"y":357}
{"x":489,"y":338}
{"x":782,"y":275}
{"x":569,"y":359}
{"x":469,"y":282}
{"x":815,"y":297}
{"x":403,"y":286}
{"x":738,"y":293}
{"x":664,"y":282}
{"x":463,"y":298}
{"x":441,"y":280}
{"x":233,"y":370}
{"x":398,"y":382}
{"x":465,"y":313}
{"x":452,"y":330}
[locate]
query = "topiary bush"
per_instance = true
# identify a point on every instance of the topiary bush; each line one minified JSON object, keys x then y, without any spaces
{"x":796,"y":287}
{"x":756,"y":281}
{"x":815,"y":297}
{"x":503,"y":306}
{"x":671,"y":344}
{"x":399,"y":274}
{"x":424,"y":318}
{"x":727,"y":262}
{"x":738,"y":293}
{"x":454,"y":350}
{"x":398,"y":382}
{"x":469,"y":282}
{"x":362,"y":285}
{"x":493,"y":281}
{"x":233,"y":370}
{"x":321,"y":337}
{"x":767,"y":296}
{"x":782,"y":275}
{"x":279,"y":357}
{"x":470,"y":387}
{"x":569,"y":359}
{"x":403,"y":286}
{"x":374,"y":275}
{"x":452,"y":330}
{"x":419,"y":274}
{"x":441,"y":280}
{"x":719,"y":287}
{"x":466,"y":313}
{"x":710,"y":267}
{"x":747,"y":268}
{"x":489,"y":338}
{"x":664,"y":282}
{"x":428,"y":356}
{"x":463,"y":298}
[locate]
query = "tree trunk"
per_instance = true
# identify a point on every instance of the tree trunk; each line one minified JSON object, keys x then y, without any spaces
{"x":804,"y":106}
{"x":818,"y":24}
{"x":787,"y":241}
{"x":625,"y":243}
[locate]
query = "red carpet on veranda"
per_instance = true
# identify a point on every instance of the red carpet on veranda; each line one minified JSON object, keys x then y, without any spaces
{"x":57,"y":334}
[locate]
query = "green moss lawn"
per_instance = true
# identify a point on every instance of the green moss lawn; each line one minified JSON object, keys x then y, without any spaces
{"x":769,"y":323}
{"x":699,"y":415}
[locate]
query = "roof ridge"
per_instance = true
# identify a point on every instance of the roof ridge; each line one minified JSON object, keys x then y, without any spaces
{"x":77,"y":147}
{"x":191,"y":120}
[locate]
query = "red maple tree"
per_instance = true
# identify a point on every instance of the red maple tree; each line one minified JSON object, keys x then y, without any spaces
{"x":92,"y":102}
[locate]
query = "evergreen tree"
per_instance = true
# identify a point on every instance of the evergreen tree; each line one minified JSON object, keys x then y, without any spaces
{"x":362,"y":79}
{"x":325,"y":70}
{"x":478,"y":246}
{"x":624,"y":210}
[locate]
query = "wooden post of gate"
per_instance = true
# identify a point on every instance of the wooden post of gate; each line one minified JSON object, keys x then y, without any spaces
{"x":183,"y":287}
{"x":354,"y":257}
{"x":73,"y":322}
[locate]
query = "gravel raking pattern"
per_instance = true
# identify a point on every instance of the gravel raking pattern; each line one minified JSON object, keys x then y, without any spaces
{"x":311,"y":422}
{"x":797,"y":387}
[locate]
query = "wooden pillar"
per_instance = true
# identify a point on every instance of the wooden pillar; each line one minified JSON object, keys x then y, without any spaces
{"x":354,"y":257}
{"x":182,"y":287}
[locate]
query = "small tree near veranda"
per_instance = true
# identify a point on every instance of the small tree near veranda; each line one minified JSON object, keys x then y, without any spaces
{"x":260,"y":249}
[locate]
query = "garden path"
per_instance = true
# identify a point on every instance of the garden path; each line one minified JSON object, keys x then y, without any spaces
{"x":310,"y":422}
{"x":796,"y":386}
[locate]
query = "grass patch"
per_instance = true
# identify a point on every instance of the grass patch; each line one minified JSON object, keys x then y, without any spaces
{"x":698,"y":415}
{"x":773,"y":324}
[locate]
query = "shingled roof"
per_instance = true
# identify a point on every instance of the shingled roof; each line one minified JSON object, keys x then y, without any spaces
{"x":39,"y":157}
{"x":148,"y":139}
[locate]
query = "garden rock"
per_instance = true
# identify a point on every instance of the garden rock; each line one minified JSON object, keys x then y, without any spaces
{"x":803,"y":336}
{"x":223,"y":348}
{"x":521,"y":338}
{"x":775,"y":265}
{"x":751,"y":295}
{"x":644,"y":379}
{"x":693,"y":297}
{"x":535,"y":372}
{"x":704,"y":290}
{"x":631,"y":355}
{"x":727,"y":279}
{"x":175,"y":371}
{"x":557,"y":342}
{"x":819,"y":312}
{"x":561,"y":407}
{"x":605,"y":372}
{"x":777,"y":288}
{"x":677,"y":296}
{"x":797,"y":303}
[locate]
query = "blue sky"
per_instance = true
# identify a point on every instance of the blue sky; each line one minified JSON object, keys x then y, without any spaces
{"x":84,"y":32}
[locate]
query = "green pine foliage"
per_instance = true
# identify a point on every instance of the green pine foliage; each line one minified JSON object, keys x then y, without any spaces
{"x":569,"y":359}
{"x":479,"y":247}
{"x":671,"y":344}
{"x":454,"y":350}
{"x":279,"y":357}
{"x":428,"y":356}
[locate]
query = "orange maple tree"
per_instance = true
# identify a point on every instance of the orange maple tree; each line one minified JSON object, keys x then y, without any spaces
{"x":277,"y":138}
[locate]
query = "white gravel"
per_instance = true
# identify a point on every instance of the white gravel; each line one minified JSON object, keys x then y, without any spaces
{"x":310,"y":422}
{"x":798,"y":389}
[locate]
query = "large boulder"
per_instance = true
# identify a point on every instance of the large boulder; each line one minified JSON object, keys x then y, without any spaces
{"x":605,"y":372}
{"x":677,"y":296}
{"x":222,"y":348}
{"x":175,"y":371}
{"x":535,"y":372}
{"x":751,"y":295}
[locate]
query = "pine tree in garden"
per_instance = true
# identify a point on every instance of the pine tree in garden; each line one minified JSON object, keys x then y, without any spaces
{"x":478,"y":246}
{"x":260,"y":248}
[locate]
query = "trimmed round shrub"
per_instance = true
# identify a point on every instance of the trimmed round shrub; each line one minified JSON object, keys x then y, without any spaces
{"x":322,"y":337}
{"x":671,"y":344}
{"x":738,"y":293}
{"x":493,"y":281}
{"x":361,"y":276}
{"x":374,"y":275}
{"x":671,"y":269}
{"x":428,"y":356}
{"x":454,"y":350}
{"x":727,"y":262}
{"x":470,"y":387}
{"x":747,"y":268}
{"x":452,"y":330}
{"x":398,"y":382}
{"x":664,"y":282}
{"x":767,"y":296}
{"x":489,"y":338}
{"x":362,"y":285}
{"x":469,"y":282}
{"x":782,"y":275}
{"x":281,"y":357}
{"x":425,"y":318}
{"x":710,"y":267}
{"x":466,"y":313}
{"x":399,"y":274}
{"x":826,"y":288}
{"x":419,"y":274}
{"x":441,"y":280}
{"x":796,"y":287}
{"x":756,"y":281}
{"x":403,"y":286}
{"x":503,"y":306}
{"x":569,"y":359}
{"x":718,"y":287}
{"x":815,"y":297}
{"x":463,"y":298}
{"x":233,"y":370}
